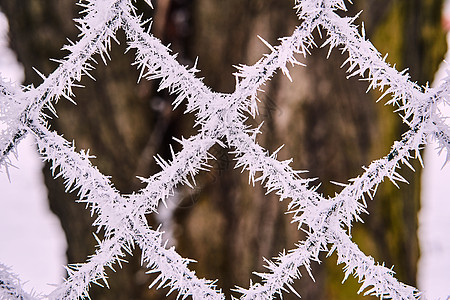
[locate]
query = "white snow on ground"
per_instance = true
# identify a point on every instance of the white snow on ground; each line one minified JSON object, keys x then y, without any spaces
{"x":434,"y":230}
{"x":434,"y":217}
{"x":32,"y":242}
{"x":31,"y":237}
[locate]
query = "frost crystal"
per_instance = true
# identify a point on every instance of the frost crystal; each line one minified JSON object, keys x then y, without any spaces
{"x":220,"y":117}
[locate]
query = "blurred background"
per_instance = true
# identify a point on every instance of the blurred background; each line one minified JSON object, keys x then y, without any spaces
{"x":329,"y":124}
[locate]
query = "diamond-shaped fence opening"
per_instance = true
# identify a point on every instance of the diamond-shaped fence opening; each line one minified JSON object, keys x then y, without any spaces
{"x":220,"y":118}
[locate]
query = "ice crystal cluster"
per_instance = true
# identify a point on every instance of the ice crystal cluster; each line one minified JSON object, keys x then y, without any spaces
{"x":221,"y":119}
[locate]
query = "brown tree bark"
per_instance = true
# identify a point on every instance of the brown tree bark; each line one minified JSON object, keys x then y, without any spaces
{"x":329,"y":124}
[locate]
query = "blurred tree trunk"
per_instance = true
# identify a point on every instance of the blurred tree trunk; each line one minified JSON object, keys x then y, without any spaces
{"x":329,"y":125}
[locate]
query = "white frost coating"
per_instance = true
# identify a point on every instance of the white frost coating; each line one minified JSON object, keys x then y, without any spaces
{"x":10,"y":286}
{"x":221,"y":116}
